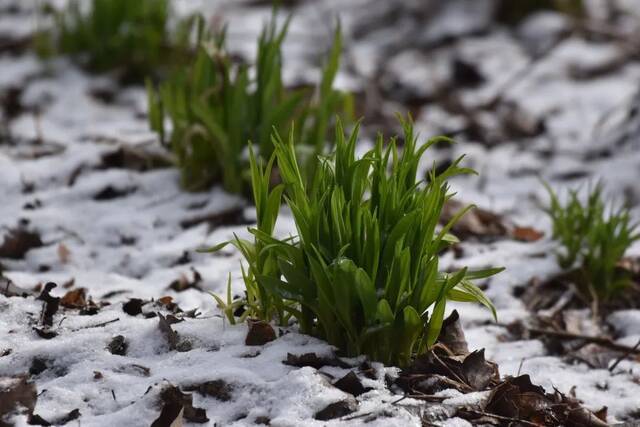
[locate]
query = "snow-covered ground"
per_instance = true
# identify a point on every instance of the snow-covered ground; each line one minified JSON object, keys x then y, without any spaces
{"x":123,"y":233}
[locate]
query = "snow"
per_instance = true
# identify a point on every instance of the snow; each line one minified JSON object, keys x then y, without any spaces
{"x":93,"y":232}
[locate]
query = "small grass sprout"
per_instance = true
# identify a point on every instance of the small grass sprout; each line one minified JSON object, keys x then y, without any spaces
{"x":363,"y":271}
{"x":258,"y":302}
{"x":230,"y":306}
{"x":215,"y":107}
{"x":132,"y":37}
{"x":594,"y":239}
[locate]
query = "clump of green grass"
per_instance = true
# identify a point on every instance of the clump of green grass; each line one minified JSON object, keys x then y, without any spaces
{"x":215,"y":107}
{"x":132,"y":37}
{"x":363,"y":271}
{"x":594,"y":239}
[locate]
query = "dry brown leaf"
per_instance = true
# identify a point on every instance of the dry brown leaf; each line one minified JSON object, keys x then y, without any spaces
{"x":75,"y":298}
{"x":64,"y":254}
{"x":526,"y":234}
{"x":165,"y":300}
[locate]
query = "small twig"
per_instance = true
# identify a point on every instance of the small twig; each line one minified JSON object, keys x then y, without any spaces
{"x":427,"y":397}
{"x":98,"y":325}
{"x":355,"y":417}
{"x":601,"y":341}
{"x":453,"y":374}
{"x":624,"y":356}
{"x":395,"y":402}
{"x":502,"y":418}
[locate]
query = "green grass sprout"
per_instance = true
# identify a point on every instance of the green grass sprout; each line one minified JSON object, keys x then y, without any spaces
{"x":363,"y":271}
{"x":132,"y":37}
{"x":215,"y":107}
{"x":594,"y":239}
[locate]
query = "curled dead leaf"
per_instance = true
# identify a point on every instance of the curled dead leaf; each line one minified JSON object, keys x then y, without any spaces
{"x":64,"y":254}
{"x":75,"y":298}
{"x":260,"y":333}
{"x":526,"y":234}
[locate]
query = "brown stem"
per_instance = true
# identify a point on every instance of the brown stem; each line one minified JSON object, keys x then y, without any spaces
{"x":601,"y":341}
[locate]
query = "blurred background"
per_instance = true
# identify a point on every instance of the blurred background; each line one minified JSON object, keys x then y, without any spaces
{"x":531,"y":91}
{"x":529,"y":88}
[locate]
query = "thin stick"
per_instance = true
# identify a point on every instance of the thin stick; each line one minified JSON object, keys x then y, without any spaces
{"x":502,"y":418}
{"x":98,"y":325}
{"x":624,"y":356}
{"x":427,"y":397}
{"x":444,"y":365}
{"x":602,"y":341}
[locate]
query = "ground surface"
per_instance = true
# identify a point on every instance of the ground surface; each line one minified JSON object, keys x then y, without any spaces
{"x":121,"y":232}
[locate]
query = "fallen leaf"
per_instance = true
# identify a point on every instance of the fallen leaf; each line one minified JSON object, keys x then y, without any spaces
{"x":476,"y":223}
{"x":260,"y":333}
{"x":74,"y":298}
{"x":218,"y":389}
{"x":17,"y":396}
{"x":526,"y":234}
{"x":518,"y":397}
{"x":183,"y":283}
{"x":169,"y":333}
{"x":351,"y":384}
{"x":38,"y":365}
{"x":439,"y":368}
{"x":165,"y":300}
{"x":45,"y":333}
{"x":466,"y":74}
{"x":118,"y":345}
{"x":110,"y":192}
{"x":133,"y":307}
{"x":64,"y":253}
{"x":337,"y":409}
{"x":478,"y":372}
{"x":452,"y":335}
{"x":178,"y":405}
{"x":170,"y":416}
{"x":18,"y":241}
{"x":229,"y":217}
{"x":135,"y":158}
{"x":313,"y":360}
{"x":69,"y":283}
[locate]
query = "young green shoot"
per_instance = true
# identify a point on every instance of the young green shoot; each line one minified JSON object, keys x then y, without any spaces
{"x":215,"y":108}
{"x":363,"y":271}
{"x":593,"y":239}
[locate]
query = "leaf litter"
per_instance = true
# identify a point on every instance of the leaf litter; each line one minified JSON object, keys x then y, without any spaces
{"x":177,"y":228}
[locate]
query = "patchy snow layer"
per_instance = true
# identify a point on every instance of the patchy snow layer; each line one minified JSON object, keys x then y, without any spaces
{"x":121,"y":390}
{"x":134,"y":244}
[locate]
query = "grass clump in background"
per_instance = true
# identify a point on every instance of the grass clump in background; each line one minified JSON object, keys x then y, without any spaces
{"x":132,"y":38}
{"x":215,"y":107}
{"x":593,"y":239}
{"x":363,"y":272}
